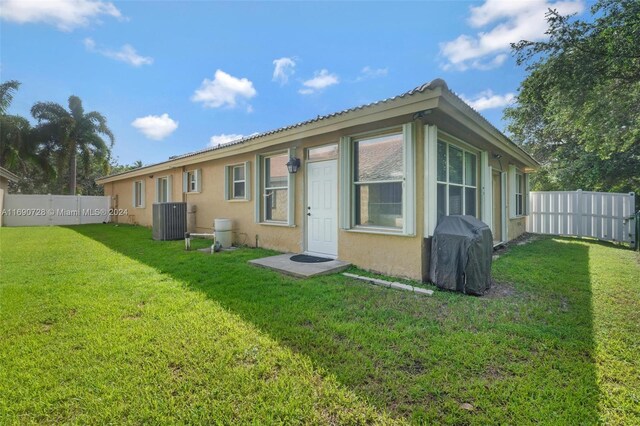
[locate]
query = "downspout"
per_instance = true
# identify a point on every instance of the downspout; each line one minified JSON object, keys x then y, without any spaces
{"x":184,"y":194}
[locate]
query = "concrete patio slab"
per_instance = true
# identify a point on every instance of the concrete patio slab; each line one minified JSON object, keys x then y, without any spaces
{"x":283,"y":263}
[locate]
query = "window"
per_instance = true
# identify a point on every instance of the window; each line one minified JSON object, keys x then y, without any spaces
{"x":378,"y":181}
{"x":191,"y":181}
{"x":275,"y":204}
{"x":236,"y":182}
{"x":276,"y":188}
{"x":457,"y":180}
{"x":163,"y":189}
{"x":138,"y":194}
{"x":519,"y":192}
{"x":321,"y":153}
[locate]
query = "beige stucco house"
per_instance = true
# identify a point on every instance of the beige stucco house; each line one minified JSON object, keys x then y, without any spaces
{"x":5,"y":177}
{"x":371,"y":184}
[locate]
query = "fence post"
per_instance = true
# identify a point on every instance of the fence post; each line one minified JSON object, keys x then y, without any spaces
{"x":578,"y":216}
{"x":637,"y":240}
{"x":635,"y":227}
{"x":50,"y":211}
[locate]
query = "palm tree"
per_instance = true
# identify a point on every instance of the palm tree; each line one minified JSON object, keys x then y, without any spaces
{"x":15,"y":144}
{"x":17,"y":148}
{"x":7,"y":89}
{"x":73,"y":133}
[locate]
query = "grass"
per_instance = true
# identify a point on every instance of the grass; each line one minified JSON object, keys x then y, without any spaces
{"x":100,"y":324}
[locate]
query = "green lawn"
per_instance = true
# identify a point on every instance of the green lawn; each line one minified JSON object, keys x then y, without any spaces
{"x":101,"y":324}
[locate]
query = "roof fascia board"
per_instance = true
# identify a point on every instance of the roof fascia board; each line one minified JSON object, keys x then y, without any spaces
{"x":9,"y":175}
{"x":466,"y":116}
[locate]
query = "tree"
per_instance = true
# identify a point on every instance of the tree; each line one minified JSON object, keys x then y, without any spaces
{"x":14,"y":130}
{"x":578,"y":110}
{"x":67,"y":135}
{"x":87,"y":182}
{"x":7,"y":89}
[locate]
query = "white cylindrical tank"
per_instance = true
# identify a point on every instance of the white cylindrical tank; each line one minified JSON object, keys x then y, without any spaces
{"x":223,"y":231}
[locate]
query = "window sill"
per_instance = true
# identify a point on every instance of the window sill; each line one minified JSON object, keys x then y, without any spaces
{"x":192,"y":192}
{"x":379,"y":231}
{"x":237,"y":200}
{"x":280,"y":224}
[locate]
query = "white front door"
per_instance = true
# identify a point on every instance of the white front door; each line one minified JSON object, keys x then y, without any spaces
{"x":322,"y":208}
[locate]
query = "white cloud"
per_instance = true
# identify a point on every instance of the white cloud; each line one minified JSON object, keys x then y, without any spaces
{"x":508,"y":22}
{"x":283,"y":69}
{"x":89,"y":43}
{"x":223,"y":139}
{"x":223,"y":90}
{"x":63,"y":14}
{"x":126,"y":54}
{"x":368,"y":73}
{"x":489,"y":100}
{"x":156,"y":127}
{"x":321,"y":80}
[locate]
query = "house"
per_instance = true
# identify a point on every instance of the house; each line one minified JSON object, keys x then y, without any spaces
{"x":5,"y":177}
{"x":371,"y":184}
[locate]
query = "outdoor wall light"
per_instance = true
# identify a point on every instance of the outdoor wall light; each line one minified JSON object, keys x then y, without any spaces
{"x":421,"y":114}
{"x":293,"y":164}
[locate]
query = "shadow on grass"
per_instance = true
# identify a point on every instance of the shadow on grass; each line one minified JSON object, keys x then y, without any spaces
{"x":523,"y":358}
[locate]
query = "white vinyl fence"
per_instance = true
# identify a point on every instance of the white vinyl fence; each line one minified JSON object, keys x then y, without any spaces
{"x":43,"y":210}
{"x":601,"y":215}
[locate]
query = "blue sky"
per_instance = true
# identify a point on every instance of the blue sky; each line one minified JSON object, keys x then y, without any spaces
{"x":173,"y":77}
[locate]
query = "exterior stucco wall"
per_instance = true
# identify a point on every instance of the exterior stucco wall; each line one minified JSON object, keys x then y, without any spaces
{"x":121,"y":193}
{"x":210,"y":204}
{"x":517,"y":227}
{"x":388,"y":254}
{"x":396,"y":255}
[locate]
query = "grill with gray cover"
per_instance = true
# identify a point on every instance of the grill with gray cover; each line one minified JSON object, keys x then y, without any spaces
{"x":461,"y":254}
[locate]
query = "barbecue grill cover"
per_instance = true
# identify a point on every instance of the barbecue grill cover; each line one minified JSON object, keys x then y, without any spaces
{"x":461,"y":254}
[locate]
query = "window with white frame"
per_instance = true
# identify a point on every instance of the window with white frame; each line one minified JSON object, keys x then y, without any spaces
{"x":138,"y":194}
{"x":457,"y":179}
{"x":378,"y":166}
{"x":275,"y":188}
{"x":238,"y":182}
{"x":192,"y":181}
{"x":163,"y":189}
{"x":519,"y":193}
